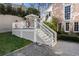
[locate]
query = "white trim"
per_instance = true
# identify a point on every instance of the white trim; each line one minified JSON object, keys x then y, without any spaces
{"x":64,"y":5}
{"x":63,"y":12}
{"x":71,"y":16}
{"x":35,"y":30}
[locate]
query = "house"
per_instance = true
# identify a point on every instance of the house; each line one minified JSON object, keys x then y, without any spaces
{"x":47,"y":14}
{"x":67,"y":15}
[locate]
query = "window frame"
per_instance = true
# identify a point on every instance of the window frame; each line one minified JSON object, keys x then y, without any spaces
{"x":66,"y":27}
{"x":67,"y":12}
{"x":75,"y":27}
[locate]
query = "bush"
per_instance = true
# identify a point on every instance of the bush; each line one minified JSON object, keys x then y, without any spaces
{"x":68,"y":38}
{"x":52,"y":24}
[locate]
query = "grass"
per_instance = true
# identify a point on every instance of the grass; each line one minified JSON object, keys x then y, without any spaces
{"x":9,"y":43}
{"x":70,"y":38}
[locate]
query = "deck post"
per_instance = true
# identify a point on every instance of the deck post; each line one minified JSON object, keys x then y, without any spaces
{"x":35,"y":30}
{"x":21,"y":33}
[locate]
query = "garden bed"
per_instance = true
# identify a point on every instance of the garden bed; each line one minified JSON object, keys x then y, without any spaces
{"x":68,"y":37}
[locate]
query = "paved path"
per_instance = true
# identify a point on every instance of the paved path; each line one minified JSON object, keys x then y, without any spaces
{"x":62,"y":48}
{"x":33,"y":50}
{"x":67,"y":48}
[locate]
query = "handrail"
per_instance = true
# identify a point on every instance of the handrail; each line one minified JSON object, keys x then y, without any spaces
{"x":51,"y":30}
{"x":54,"y":33}
{"x":46,"y":30}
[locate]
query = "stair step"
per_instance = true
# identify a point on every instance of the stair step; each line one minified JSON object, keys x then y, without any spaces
{"x":47,"y":40}
{"x":43,"y":34}
{"x":40,"y":30}
{"x":47,"y":37}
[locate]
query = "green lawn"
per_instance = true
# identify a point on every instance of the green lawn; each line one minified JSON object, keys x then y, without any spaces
{"x":9,"y":43}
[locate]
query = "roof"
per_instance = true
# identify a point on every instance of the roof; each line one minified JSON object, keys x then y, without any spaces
{"x":50,"y":8}
{"x":31,"y":15}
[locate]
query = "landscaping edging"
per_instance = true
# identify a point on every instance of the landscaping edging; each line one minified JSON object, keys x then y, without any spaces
{"x":17,"y":50}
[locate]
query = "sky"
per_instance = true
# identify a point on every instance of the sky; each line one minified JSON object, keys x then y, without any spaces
{"x":27,"y":5}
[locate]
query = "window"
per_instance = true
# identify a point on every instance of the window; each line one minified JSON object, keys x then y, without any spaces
{"x":67,"y":26}
{"x":67,"y":12}
{"x":59,"y":26}
{"x":47,"y":17}
{"x":76,"y":26}
{"x":49,"y":13}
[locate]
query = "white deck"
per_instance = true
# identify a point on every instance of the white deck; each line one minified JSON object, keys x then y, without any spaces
{"x":38,"y":32}
{"x":27,"y":34}
{"x":24,"y":33}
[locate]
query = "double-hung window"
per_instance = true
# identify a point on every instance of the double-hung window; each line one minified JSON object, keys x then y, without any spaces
{"x":67,"y":12}
{"x":76,"y":26}
{"x":67,"y":26}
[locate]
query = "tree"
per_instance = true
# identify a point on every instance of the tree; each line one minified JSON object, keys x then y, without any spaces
{"x":14,"y":11}
{"x":9,"y":9}
{"x":2,"y":9}
{"x":33,"y":11}
{"x":52,"y":24}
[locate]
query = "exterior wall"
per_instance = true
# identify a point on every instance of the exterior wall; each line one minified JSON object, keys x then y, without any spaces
{"x":6,"y":22}
{"x":76,"y":12}
{"x":76,"y":18}
{"x":76,"y":8}
{"x":58,"y":11}
{"x":46,"y":12}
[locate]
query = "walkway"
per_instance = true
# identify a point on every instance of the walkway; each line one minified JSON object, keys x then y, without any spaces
{"x":62,"y":48}
{"x":33,"y":50}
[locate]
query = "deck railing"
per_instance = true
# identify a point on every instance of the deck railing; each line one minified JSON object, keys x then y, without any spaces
{"x":51,"y":33}
{"x":21,"y":30}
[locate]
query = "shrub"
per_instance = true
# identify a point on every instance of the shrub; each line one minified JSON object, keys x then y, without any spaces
{"x":52,"y":24}
{"x":70,"y":38}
